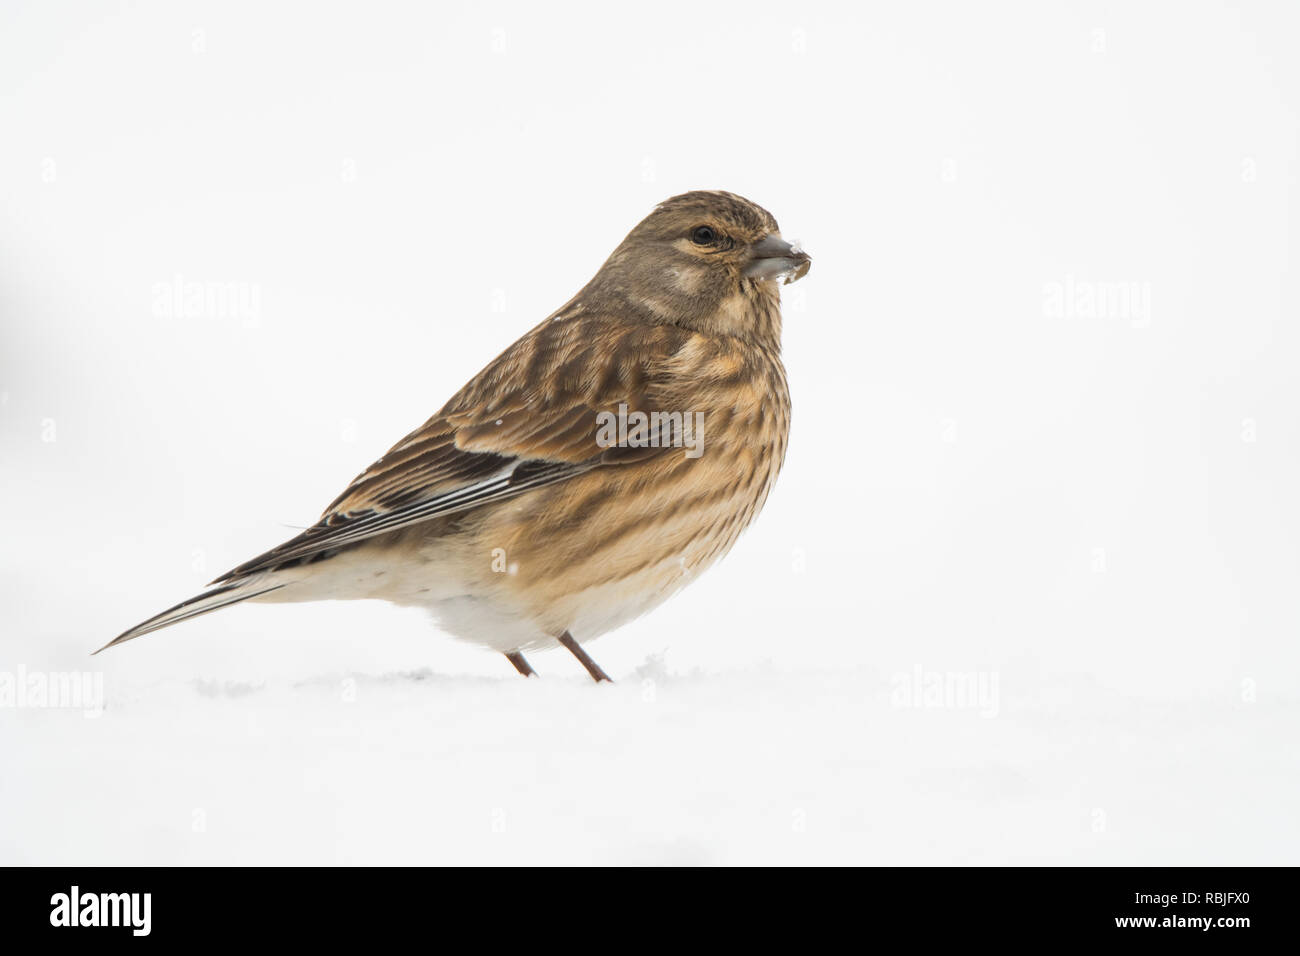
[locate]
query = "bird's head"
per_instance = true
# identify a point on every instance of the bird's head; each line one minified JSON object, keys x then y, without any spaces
{"x":711,"y":261}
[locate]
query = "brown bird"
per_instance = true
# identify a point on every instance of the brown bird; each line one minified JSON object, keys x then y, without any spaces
{"x":590,"y":471}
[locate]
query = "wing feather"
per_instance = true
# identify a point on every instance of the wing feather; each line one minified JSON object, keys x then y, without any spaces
{"x":526,"y":421}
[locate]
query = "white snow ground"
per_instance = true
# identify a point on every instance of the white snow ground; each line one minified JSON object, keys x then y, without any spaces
{"x":761,"y":766}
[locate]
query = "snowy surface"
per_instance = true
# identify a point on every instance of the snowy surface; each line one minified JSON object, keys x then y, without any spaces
{"x":754,"y":767}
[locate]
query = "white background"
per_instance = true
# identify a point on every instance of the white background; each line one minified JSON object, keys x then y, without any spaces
{"x":1094,"y":511}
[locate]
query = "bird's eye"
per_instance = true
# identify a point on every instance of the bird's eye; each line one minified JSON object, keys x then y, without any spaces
{"x":703,"y":235}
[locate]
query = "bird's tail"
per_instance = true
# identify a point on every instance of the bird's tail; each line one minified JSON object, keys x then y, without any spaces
{"x":223,"y":595}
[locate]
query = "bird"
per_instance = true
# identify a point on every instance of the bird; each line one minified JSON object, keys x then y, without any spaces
{"x":589,"y":472}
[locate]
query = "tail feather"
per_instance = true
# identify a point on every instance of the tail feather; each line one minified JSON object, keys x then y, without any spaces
{"x":214,"y":599}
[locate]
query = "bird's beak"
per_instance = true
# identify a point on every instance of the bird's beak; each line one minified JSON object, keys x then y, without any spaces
{"x":774,"y":258}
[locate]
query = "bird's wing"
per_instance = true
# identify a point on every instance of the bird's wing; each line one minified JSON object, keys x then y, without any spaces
{"x":527,"y":420}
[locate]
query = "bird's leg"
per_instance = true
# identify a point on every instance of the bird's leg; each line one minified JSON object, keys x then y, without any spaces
{"x":584,"y":658}
{"x":521,"y":665}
